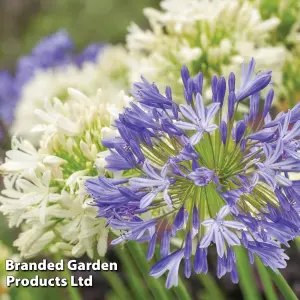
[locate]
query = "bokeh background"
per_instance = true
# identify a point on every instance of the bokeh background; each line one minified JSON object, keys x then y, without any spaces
{"x":23,"y":23}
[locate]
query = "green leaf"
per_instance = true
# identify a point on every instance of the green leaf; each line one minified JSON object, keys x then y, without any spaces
{"x":247,"y":280}
{"x":66,"y":273}
{"x":212,"y":289}
{"x":181,"y":291}
{"x":118,"y":286}
{"x":283,"y":286}
{"x":266,"y":280}
{"x":158,"y":290}
{"x":135,"y":280}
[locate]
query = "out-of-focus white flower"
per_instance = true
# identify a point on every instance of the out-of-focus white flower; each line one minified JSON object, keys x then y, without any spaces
{"x":108,"y":72}
{"x":208,"y":36}
{"x":294,"y":36}
{"x":44,"y":189}
{"x":286,"y":34}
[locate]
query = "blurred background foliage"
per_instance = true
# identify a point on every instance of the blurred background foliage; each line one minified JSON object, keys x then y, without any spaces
{"x":288,"y":13}
{"x":24,"y":22}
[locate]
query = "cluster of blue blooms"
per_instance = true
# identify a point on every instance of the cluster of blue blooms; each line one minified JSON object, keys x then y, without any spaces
{"x":202,"y":176}
{"x":55,"y":50}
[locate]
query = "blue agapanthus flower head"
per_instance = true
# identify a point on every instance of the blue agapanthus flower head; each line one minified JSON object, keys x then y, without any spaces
{"x":89,"y":54}
{"x":8,"y":96}
{"x":50,"y":51}
{"x":8,"y":100}
{"x":53,"y":51}
{"x":196,"y":172}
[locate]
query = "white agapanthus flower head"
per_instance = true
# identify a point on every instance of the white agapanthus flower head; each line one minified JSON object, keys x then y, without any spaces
{"x":210,"y":36}
{"x":108,"y":71}
{"x":44,"y":187}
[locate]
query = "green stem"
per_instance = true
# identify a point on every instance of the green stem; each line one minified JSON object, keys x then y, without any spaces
{"x":283,"y":286}
{"x":134,"y":276}
{"x":229,"y":129}
{"x":181,"y":291}
{"x":231,"y":157}
{"x":73,"y":291}
{"x":117,"y":285}
{"x":212,"y":149}
{"x":211,"y":286}
{"x":266,"y":280}
{"x":297,"y":240}
{"x":247,"y":280}
{"x":158,"y":291}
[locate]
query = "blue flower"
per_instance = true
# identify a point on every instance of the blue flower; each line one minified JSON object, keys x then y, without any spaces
{"x":251,"y":86}
{"x":199,"y":173}
{"x":55,"y":50}
{"x":50,"y":51}
{"x":8,"y":97}
{"x":272,"y":167}
{"x":200,"y":119}
{"x":89,"y":54}
{"x":156,"y":182}
{"x":169,"y":263}
{"x":219,"y":233}
{"x":8,"y":101}
{"x":202,"y":176}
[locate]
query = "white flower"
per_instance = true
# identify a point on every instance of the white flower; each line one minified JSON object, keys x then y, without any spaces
{"x":44,"y":188}
{"x":109,"y":72}
{"x":22,"y":156}
{"x":83,"y":230}
{"x":22,"y":192}
{"x":33,"y":240}
{"x":211,"y":36}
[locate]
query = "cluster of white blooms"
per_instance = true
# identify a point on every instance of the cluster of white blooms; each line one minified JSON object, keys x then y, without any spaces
{"x":210,"y":36}
{"x":291,"y":71}
{"x":108,"y":72}
{"x":287,"y":34}
{"x":44,"y":188}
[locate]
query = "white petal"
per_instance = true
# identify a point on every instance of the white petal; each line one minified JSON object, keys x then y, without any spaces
{"x":167,"y":198}
{"x":185,"y":125}
{"x":172,"y":279}
{"x":54,"y":160}
{"x":230,"y":237}
{"x":219,"y":240}
{"x":207,"y":239}
{"x":224,"y":211}
{"x":188,"y":112}
{"x":195,"y":139}
{"x":208,"y":222}
{"x":211,"y":128}
{"x":234,"y":224}
{"x":147,"y":200}
{"x":283,"y":180}
{"x":102,"y":242}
